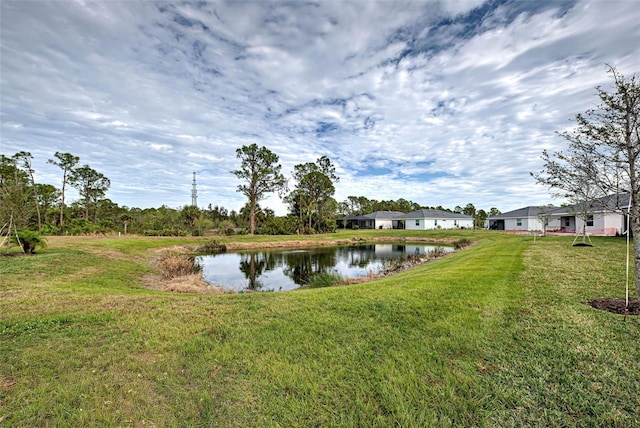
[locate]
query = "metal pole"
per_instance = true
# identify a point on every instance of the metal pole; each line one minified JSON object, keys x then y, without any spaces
{"x":626,"y":306}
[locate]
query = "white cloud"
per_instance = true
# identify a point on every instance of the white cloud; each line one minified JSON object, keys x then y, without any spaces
{"x":437,"y":102}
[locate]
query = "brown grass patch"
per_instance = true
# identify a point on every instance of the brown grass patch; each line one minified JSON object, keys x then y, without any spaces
{"x":173,"y":264}
{"x":7,"y":383}
{"x":192,"y":283}
{"x":179,"y":273}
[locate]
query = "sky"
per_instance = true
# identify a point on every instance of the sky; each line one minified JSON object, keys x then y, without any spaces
{"x":438,"y":102}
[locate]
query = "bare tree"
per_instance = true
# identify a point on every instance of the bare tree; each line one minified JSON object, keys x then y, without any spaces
{"x":603,"y":155}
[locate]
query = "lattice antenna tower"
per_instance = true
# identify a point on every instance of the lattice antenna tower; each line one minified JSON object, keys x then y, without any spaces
{"x":194,"y":192}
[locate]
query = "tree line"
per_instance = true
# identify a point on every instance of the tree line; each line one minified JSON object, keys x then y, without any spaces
{"x":27,"y":203}
{"x":309,"y":194}
{"x":44,"y":207}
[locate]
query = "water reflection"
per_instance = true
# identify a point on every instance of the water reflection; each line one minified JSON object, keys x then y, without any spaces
{"x":279,"y":270}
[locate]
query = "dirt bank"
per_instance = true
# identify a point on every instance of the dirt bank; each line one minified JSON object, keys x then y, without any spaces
{"x":236,"y":246}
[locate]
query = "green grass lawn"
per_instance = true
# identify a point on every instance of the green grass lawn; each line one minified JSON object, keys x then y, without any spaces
{"x":495,"y":335}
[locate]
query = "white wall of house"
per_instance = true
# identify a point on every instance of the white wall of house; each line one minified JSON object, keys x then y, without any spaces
{"x":464,"y":223}
{"x":554,"y":223}
{"x":384,"y":224}
{"x":615,"y":221}
{"x":603,"y":224}
{"x":522,"y":224}
{"x":437,"y":223}
{"x":529,"y":224}
{"x":417,"y":224}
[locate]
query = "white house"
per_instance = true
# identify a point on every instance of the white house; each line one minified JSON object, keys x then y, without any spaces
{"x":526,"y":219}
{"x":374,"y":220}
{"x":426,"y":219}
{"x":606,"y":218}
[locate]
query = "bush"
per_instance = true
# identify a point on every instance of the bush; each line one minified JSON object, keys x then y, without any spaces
{"x":436,"y":252}
{"x":172,"y":231}
{"x":29,"y":240}
{"x":173,"y":265}
{"x":279,"y":226}
{"x":461,"y":243}
{"x":212,"y":247}
{"x":328,"y":279}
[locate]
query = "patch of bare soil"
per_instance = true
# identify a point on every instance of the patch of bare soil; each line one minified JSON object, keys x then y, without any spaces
{"x":616,"y":306}
{"x":7,"y":383}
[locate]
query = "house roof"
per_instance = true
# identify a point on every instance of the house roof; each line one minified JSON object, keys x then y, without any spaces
{"x":384,"y":215}
{"x":377,"y":215}
{"x":611,"y":202}
{"x":526,"y":212}
{"x":431,"y":213}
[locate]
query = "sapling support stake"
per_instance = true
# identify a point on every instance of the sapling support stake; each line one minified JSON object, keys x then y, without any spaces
{"x":626,"y":301}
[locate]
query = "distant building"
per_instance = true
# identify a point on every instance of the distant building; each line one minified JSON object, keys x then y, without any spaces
{"x":374,"y":220}
{"x":526,"y":219}
{"x":605,"y":218}
{"x":424,"y":219}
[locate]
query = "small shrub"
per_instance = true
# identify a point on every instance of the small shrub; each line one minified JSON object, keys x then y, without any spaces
{"x":436,"y":252}
{"x":328,"y":279}
{"x":173,"y":265}
{"x":29,"y":240}
{"x":412,"y":258}
{"x":393,"y":265}
{"x":461,"y":243}
{"x":212,"y":247}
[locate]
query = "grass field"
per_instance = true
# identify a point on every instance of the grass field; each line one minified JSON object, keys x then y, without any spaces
{"x":495,"y":335}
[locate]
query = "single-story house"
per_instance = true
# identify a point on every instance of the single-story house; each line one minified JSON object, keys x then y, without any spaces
{"x":605,"y":218}
{"x":426,"y":219}
{"x":525,"y":219}
{"x":374,"y":220}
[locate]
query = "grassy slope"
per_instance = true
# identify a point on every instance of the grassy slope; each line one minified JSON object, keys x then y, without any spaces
{"x":494,"y":335}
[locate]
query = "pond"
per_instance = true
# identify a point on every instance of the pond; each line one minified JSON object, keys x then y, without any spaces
{"x":283,"y":270}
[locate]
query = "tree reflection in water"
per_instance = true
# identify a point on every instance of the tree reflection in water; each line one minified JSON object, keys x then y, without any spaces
{"x":290,"y":269}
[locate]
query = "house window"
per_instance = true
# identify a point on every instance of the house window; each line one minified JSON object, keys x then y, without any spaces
{"x":435,"y":222}
{"x":455,"y":222}
{"x":417,"y":222}
{"x":590,"y":220}
{"x":518,"y":222}
{"x":567,"y":222}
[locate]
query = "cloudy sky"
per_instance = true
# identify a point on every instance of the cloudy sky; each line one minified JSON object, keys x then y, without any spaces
{"x":440,"y":102}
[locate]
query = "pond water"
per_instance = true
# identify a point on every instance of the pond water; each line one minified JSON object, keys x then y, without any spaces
{"x":282,"y":270}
